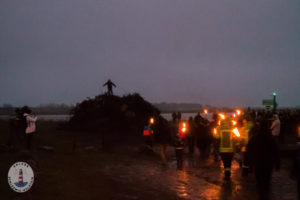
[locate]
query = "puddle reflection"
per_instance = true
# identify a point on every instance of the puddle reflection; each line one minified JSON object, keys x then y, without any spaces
{"x":199,"y":179}
{"x":203,"y":179}
{"x":182,"y":183}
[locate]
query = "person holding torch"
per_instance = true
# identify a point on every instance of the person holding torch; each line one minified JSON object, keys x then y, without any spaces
{"x":227,"y":135}
{"x":179,"y":143}
{"x":148,"y":133}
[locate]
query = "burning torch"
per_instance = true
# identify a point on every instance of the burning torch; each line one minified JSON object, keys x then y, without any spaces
{"x":182,"y":129}
{"x":215,"y":131}
{"x":236,"y":132}
{"x":222,"y":117}
{"x":238,"y":112}
{"x":234,"y":122}
{"x":205,"y":112}
{"x":151,"y":121}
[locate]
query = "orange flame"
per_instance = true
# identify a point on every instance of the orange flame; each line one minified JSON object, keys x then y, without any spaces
{"x":215,"y":131}
{"x":238,"y":112}
{"x":219,"y":123}
{"x":222,"y":116}
{"x":205,"y":111}
{"x":236,"y":132}
{"x":234,"y":122}
{"x":183,"y":129}
{"x":151,"y":120}
{"x":234,"y":115}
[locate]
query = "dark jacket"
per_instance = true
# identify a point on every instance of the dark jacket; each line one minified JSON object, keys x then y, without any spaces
{"x":262,"y":151}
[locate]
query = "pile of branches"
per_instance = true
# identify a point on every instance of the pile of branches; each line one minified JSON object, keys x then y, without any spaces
{"x":109,"y":113}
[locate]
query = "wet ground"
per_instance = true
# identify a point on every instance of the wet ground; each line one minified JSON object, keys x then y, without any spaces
{"x":126,"y":173}
{"x":122,"y":172}
{"x":200,"y":179}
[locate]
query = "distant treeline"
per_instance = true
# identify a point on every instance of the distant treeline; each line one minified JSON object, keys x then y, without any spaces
{"x":188,"y":107}
{"x":49,"y":109}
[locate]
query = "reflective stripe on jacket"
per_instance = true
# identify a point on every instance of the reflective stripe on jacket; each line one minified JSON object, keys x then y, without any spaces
{"x":225,"y":134}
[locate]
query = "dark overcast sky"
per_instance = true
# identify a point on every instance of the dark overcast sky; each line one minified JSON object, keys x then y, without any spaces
{"x":218,"y":52}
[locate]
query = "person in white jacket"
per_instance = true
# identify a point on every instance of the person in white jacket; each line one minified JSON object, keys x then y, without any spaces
{"x":31,"y":127}
{"x":275,"y":128}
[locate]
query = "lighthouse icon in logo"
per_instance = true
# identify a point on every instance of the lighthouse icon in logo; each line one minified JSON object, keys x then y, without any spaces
{"x":20,"y":177}
{"x":21,"y":183}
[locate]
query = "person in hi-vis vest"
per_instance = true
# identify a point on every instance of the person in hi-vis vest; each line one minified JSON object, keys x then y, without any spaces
{"x":245,"y":136}
{"x":228,"y":136}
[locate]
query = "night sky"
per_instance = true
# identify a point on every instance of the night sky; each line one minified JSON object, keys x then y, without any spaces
{"x":217,"y":52}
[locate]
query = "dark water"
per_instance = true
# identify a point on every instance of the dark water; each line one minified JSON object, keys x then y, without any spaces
{"x":185,"y":116}
{"x":167,"y":116}
{"x":44,"y":117}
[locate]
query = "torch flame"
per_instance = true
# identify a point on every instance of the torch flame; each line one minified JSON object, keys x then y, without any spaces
{"x":234,"y":122}
{"x":234,"y":115}
{"x":222,"y":116}
{"x":219,"y":123}
{"x":205,"y":111}
{"x":151,"y":120}
{"x":236,"y":132}
{"x":238,"y":112}
{"x":215,"y":131}
{"x":183,"y":127}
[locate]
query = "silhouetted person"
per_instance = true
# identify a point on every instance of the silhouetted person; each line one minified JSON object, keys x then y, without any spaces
{"x":203,"y":135}
{"x":174,"y":116}
{"x":198,"y":118}
{"x":263,"y":154}
{"x":110,"y":86}
{"x":191,"y":135}
{"x":296,"y":168}
{"x":148,"y":135}
{"x":162,"y":136}
{"x":216,"y":142}
{"x":179,"y":142}
{"x":179,"y":116}
{"x":16,"y":129}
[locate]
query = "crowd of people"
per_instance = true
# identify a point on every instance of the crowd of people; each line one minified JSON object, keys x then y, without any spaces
{"x":252,"y":136}
{"x":255,"y":144}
